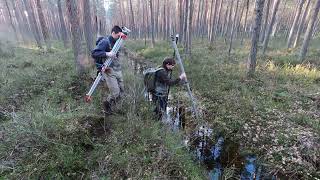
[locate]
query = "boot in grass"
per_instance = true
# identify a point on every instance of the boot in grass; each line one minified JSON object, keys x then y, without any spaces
{"x":107,"y":108}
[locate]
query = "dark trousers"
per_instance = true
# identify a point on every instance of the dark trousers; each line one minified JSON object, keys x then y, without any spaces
{"x":160,"y":103}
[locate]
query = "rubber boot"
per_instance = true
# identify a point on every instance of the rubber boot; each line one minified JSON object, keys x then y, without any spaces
{"x":107,"y":108}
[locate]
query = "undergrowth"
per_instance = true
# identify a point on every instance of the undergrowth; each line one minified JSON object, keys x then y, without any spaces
{"x":275,"y":114}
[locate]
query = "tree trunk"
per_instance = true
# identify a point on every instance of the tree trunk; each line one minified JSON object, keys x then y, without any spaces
{"x":287,"y":23}
{"x":204,"y":19}
{"x":275,"y":27}
{"x":263,"y":31}
{"x":233,"y":27}
{"x":219,"y":18}
{"x":132,"y":20}
{"x":152,"y":25}
{"x":11,"y":21}
{"x":63,"y":26}
{"x":44,"y":28}
{"x":251,"y":63}
{"x":198,"y":16}
{"x":301,"y":25}
{"x":225,"y":20}
{"x":33,"y":23}
{"x":102,"y":24}
{"x":280,"y":26}
{"x":21,"y":23}
{"x":167,"y":21}
{"x":27,"y":27}
{"x":2,"y":17}
{"x":189,"y":29}
{"x":76,"y":36}
{"x":145,"y":23}
{"x":144,"y":28}
{"x":53,"y":22}
{"x":238,"y":27}
{"x":229,"y":19}
{"x":245,"y":21}
{"x":95,"y":17}
{"x":87,"y":25}
{"x":157,"y":20}
{"x":164,"y":22}
{"x":213,"y":22}
{"x":191,"y":21}
{"x":180,"y":17}
{"x":308,"y":33}
{"x":148,"y":22}
{"x":210,"y":20}
{"x":316,"y":28}
{"x":295,"y":23}
{"x":267,"y":36}
{"x":185,"y":23}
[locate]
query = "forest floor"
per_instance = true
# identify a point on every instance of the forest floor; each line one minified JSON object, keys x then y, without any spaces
{"x":275,"y":115}
{"x":48,"y":131}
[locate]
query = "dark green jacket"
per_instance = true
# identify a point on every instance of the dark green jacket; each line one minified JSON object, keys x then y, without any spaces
{"x":163,"y":81}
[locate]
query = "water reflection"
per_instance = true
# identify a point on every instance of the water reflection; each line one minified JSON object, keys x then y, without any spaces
{"x":212,"y":149}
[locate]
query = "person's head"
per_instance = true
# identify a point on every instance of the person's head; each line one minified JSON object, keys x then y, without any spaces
{"x":116,"y":32}
{"x":168,"y":63}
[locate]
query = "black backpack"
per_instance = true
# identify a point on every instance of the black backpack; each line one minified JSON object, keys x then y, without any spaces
{"x":149,"y":78}
{"x":99,"y":39}
{"x":99,"y":61}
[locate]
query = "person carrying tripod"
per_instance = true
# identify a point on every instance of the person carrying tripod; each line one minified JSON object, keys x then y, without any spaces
{"x":114,"y":78}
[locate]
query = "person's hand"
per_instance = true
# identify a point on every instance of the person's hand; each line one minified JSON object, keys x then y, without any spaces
{"x":106,"y":69}
{"x":110,"y":54}
{"x":115,"y":58}
{"x":183,"y":76}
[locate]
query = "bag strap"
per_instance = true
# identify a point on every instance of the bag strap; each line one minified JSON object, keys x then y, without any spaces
{"x":158,"y":69}
{"x":109,"y":43}
{"x":156,"y":72}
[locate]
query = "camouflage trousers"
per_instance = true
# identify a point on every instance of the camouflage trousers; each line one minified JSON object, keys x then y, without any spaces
{"x":114,"y":81}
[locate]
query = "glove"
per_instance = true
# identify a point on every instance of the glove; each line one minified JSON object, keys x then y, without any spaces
{"x":106,"y":69}
{"x":115,"y":58}
{"x":183,"y":76}
{"x":110,"y":54}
